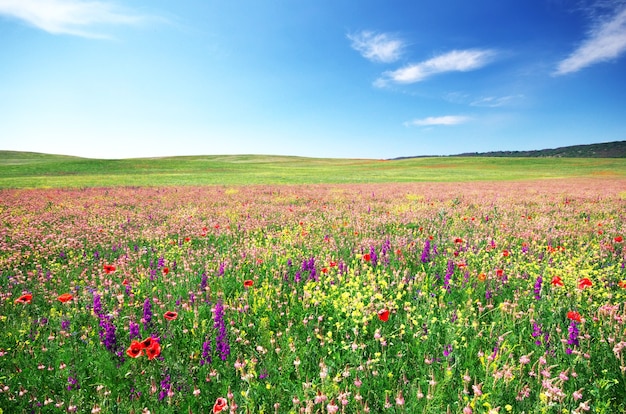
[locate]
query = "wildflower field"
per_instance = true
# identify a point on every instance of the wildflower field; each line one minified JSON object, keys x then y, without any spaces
{"x":419,"y":298}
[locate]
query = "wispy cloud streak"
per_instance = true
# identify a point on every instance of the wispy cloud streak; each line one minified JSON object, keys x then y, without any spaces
{"x":73,"y":17}
{"x":454,"y":61}
{"x":438,"y":120}
{"x":496,"y":101}
{"x":605,"y":42}
{"x":377,"y":47}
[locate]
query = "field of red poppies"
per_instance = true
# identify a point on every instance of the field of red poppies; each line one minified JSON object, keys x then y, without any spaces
{"x":417,"y":298}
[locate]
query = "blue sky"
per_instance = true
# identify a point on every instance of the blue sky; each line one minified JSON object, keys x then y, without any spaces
{"x":317,"y":78}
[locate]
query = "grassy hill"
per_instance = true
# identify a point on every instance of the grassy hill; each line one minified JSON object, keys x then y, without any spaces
{"x":34,"y":170}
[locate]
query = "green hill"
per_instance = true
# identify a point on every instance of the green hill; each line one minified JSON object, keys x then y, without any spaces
{"x":34,"y":170}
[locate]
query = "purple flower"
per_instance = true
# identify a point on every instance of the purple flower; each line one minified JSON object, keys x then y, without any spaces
{"x":107,"y":333}
{"x":205,"y":358}
{"x":573,"y":337}
{"x":204,"y":282}
{"x":65,"y":324}
{"x":426,"y":252}
{"x":448,"y":276}
{"x":72,"y":383}
{"x":221,"y":342}
{"x":537,"y":288}
{"x":133,"y":329}
{"x":165,"y":388}
{"x":537,"y":332}
{"x":147,"y":314}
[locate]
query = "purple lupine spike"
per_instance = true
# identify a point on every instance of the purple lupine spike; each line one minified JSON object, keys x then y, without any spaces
{"x":133,"y":329}
{"x":221,"y":341}
{"x":97,"y":304}
{"x":573,"y":337}
{"x":426,"y":252}
{"x":537,"y":288}
{"x":147,"y":314}
{"x":448,"y":276}
{"x":205,"y":358}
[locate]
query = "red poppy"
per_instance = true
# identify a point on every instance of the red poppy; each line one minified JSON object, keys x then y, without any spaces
{"x":556,"y":281}
{"x":333,"y":264}
{"x":220,"y":404}
{"x":458,"y":240}
{"x":66,"y":297}
{"x":170,"y":315}
{"x":166,"y":270}
{"x":622,"y":284}
{"x":25,"y":298}
{"x":135,"y":349}
{"x":154,"y":350}
{"x":584,"y":282}
{"x":574,"y":316}
{"x":618,"y":239}
{"x":187,"y":239}
{"x":505,"y":253}
{"x":109,"y":268}
{"x":324,"y":270}
{"x":125,"y":282}
{"x":147,"y":343}
{"x":248,"y":283}
{"x":383,"y":315}
{"x":367,"y":257}
{"x":499,"y":272}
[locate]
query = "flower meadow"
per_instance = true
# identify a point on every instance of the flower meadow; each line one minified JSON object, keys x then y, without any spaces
{"x":394,"y":298}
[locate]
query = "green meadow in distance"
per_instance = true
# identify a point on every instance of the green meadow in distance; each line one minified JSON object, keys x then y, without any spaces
{"x":35,"y":170}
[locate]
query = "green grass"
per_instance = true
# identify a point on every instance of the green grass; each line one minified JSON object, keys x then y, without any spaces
{"x":33,"y":170}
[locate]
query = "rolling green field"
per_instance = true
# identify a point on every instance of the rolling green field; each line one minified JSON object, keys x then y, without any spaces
{"x":33,"y":170}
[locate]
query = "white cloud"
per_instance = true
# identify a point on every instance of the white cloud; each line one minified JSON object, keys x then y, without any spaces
{"x":378,"y":47}
{"x":496,"y":101}
{"x":72,"y":17}
{"x":454,"y":61}
{"x":439,"y":120}
{"x":606,"y":41}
